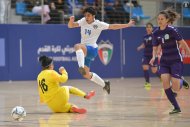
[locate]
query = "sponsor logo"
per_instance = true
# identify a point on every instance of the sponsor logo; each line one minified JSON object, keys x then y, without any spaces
{"x":95,"y":26}
{"x":166,"y":37}
{"x":105,"y":50}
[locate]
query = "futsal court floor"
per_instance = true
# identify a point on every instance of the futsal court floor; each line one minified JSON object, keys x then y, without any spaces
{"x":128,"y":105}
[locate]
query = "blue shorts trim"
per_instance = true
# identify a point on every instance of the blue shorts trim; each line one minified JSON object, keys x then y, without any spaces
{"x":91,"y":54}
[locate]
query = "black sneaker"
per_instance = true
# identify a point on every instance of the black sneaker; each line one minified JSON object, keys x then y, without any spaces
{"x":107,"y":87}
{"x":175,"y":111}
{"x":185,"y":83}
{"x":82,"y":71}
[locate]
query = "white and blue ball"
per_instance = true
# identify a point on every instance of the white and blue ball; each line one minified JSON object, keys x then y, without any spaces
{"x":18,"y":113}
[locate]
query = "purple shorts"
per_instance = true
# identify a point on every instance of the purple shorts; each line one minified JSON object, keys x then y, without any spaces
{"x":146,"y":60}
{"x":174,"y":69}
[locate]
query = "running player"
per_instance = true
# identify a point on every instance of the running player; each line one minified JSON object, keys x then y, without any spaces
{"x":50,"y":91}
{"x":171,"y":65}
{"x":147,"y":46}
{"x":173,"y":16}
{"x":87,"y":50}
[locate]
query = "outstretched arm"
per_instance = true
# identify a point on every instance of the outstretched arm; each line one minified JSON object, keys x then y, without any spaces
{"x":184,"y":45}
{"x":72,"y":23}
{"x":121,"y":26}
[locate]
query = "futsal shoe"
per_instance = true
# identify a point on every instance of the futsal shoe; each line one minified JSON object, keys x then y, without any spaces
{"x":185,"y":83}
{"x":107,"y":87}
{"x":90,"y":94}
{"x":148,"y":88}
{"x":175,"y":111}
{"x":78,"y":110}
{"x":147,"y":84}
{"x":82,"y":71}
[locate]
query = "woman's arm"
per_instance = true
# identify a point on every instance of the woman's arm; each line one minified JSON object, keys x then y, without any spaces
{"x":64,"y":75}
{"x":154,"y":54}
{"x":142,"y":46}
{"x":71,"y":23}
{"x":121,"y":26}
{"x":183,"y":44}
{"x":61,"y":78}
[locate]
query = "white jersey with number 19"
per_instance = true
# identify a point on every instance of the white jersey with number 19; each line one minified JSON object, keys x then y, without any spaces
{"x":91,"y":32}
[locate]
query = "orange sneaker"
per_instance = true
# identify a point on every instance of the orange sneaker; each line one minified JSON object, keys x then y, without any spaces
{"x":90,"y":94}
{"x":78,"y":110}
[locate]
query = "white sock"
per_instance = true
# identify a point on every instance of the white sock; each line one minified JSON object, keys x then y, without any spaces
{"x":80,"y":57}
{"x":95,"y":78}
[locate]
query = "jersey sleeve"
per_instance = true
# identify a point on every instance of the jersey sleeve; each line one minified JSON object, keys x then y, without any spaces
{"x":176,"y":34}
{"x":155,"y":41}
{"x":103,"y":25}
{"x":62,"y":78}
{"x":143,"y":40}
{"x":81,"y":22}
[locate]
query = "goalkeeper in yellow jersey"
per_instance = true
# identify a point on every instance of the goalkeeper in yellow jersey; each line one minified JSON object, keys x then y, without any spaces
{"x":54,"y":95}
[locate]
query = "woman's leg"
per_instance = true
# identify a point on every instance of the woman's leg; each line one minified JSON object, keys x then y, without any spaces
{"x":146,"y":75}
{"x":166,"y":78}
{"x":78,"y":92}
{"x":154,"y":70}
{"x":81,"y":52}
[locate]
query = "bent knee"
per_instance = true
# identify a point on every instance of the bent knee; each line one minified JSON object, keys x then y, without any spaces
{"x":176,"y":87}
{"x":154,"y":71}
{"x":87,"y":76}
{"x":77,"y":47}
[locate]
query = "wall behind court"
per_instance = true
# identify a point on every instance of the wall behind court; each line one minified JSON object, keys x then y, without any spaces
{"x":23,"y":44}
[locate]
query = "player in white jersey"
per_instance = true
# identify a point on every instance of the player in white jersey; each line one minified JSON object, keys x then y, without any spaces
{"x":87,"y":50}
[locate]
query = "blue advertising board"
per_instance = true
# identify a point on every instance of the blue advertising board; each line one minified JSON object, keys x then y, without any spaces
{"x":22,"y":45}
{"x":132,"y":38}
{"x":31,"y":42}
{"x":28,"y":43}
{"x":4,"y":54}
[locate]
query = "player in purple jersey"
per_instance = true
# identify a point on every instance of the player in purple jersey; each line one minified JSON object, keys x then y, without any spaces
{"x":173,"y":16}
{"x":147,"y":46}
{"x":171,"y":65}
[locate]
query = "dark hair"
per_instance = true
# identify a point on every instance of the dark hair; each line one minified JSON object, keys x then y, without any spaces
{"x":149,"y":24}
{"x":45,"y":61}
{"x":90,"y":10}
{"x":173,"y":15}
{"x":170,"y":15}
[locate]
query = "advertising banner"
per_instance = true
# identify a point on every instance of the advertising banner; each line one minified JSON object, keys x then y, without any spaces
{"x":4,"y":55}
{"x":22,"y":45}
{"x":31,"y":42}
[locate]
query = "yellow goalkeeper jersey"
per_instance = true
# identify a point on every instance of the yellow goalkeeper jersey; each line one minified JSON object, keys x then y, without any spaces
{"x":49,"y":83}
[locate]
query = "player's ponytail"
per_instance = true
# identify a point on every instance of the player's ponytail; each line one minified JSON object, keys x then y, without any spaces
{"x":173,"y":15}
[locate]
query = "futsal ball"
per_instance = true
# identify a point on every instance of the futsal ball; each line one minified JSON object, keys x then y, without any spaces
{"x":18,"y":113}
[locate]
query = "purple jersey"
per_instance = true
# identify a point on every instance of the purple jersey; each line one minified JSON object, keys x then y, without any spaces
{"x":168,"y":39}
{"x":148,"y":45}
